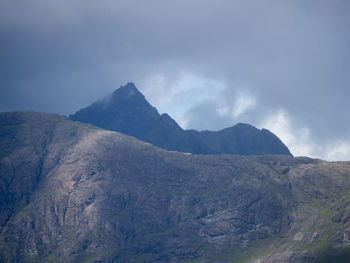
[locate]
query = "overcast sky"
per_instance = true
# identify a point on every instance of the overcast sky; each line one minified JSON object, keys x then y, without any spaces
{"x":282,"y":65}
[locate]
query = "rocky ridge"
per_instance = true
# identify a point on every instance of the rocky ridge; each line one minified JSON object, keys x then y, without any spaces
{"x":127,"y":111}
{"x":71,"y":192}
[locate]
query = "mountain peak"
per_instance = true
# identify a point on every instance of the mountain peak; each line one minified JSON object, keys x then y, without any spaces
{"x":128,"y":90}
{"x":128,"y":112}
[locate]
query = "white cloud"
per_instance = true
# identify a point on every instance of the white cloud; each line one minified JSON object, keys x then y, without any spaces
{"x":243,"y":103}
{"x":223,"y":110}
{"x":337,"y":151}
{"x":301,"y":142}
{"x":297,"y":140}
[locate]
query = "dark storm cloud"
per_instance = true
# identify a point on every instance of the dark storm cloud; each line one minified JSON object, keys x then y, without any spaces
{"x":277,"y":56}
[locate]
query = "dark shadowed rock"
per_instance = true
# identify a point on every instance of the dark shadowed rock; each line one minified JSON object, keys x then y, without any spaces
{"x":71,"y":192}
{"x":127,"y":111}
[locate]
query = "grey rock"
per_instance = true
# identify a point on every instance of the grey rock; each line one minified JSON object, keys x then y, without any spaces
{"x":71,"y":192}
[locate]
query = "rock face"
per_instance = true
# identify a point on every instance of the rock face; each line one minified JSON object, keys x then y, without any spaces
{"x":71,"y":192}
{"x":127,"y":111}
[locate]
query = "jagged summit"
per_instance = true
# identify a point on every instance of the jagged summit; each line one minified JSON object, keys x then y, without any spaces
{"x":127,"y":111}
{"x":128,"y":86}
{"x":127,"y":91}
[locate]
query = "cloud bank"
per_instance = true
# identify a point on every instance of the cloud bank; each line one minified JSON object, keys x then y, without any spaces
{"x":282,"y":65}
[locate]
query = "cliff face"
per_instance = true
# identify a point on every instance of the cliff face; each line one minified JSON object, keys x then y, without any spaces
{"x":71,"y":192}
{"x":127,"y":111}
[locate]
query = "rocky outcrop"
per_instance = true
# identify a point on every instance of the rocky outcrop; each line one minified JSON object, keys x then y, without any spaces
{"x":127,"y":111}
{"x":71,"y":192}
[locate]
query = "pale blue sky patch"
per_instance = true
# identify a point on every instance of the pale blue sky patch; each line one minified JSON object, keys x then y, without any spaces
{"x":178,"y":96}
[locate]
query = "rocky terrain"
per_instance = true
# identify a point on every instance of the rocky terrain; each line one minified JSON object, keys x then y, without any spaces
{"x":71,"y":192}
{"x":127,"y":111}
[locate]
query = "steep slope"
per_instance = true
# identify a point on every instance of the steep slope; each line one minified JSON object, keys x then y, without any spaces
{"x":127,"y":111}
{"x":71,"y":192}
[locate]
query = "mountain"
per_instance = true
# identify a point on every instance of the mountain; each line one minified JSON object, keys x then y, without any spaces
{"x":72,"y":192}
{"x":127,"y":111}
